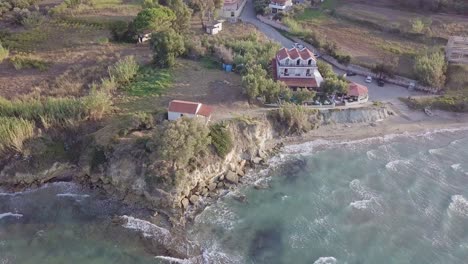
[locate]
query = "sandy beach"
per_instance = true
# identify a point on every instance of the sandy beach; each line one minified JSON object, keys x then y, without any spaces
{"x":404,"y":120}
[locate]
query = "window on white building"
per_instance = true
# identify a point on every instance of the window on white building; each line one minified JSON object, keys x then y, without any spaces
{"x":309,"y":62}
{"x":287,"y":61}
{"x":298,"y":62}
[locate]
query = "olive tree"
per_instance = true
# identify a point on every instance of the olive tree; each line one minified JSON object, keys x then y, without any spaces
{"x":430,"y":69}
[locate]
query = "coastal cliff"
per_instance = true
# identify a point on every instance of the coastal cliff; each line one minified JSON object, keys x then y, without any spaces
{"x":130,"y":168}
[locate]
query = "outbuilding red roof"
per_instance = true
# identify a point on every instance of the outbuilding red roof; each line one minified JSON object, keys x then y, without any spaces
{"x":205,"y":110}
{"x":187,"y":107}
{"x":356,"y":89}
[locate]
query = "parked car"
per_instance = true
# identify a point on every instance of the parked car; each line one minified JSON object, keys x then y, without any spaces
{"x":297,"y":45}
{"x":380,"y":82}
{"x":350,"y":73}
{"x":368,"y":79}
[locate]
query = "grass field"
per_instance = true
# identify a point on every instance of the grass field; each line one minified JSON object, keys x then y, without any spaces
{"x":373,"y":34}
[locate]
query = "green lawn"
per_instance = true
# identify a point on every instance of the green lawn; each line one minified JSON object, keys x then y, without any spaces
{"x":310,"y":14}
{"x":150,"y":81}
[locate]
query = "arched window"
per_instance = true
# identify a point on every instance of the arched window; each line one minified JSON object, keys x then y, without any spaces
{"x":298,"y":62}
{"x":287,"y":61}
{"x":309,"y":62}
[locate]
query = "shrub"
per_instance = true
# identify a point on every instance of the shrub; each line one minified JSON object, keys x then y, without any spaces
{"x":124,"y":70}
{"x":294,"y":27}
{"x":4,"y":52}
{"x":33,"y":19}
{"x":325,"y":69}
{"x":97,"y":104}
{"x":221,"y":138}
{"x":292,"y":119}
{"x":123,"y":31}
{"x":303,"y":96}
{"x":28,"y":61}
{"x":224,"y":54}
{"x":108,"y":85}
{"x":154,"y":19}
{"x":334,"y":85}
{"x":182,"y":140}
{"x":258,"y":83}
{"x":13,"y":132}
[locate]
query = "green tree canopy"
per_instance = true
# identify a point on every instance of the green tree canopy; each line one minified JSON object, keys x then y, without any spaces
{"x":182,"y":140}
{"x":334,"y":85}
{"x":325,"y":69}
{"x":257,"y":83}
{"x":154,"y":19}
{"x":166,"y":45}
{"x":430,"y":69}
{"x":183,"y":14}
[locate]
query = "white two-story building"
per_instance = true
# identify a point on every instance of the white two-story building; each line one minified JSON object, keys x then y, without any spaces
{"x":278,"y":6}
{"x":297,"y":68}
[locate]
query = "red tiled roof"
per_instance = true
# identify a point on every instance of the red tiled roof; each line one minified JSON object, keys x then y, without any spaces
{"x":183,"y":107}
{"x":356,"y":89}
{"x":282,"y":54}
{"x":295,"y":53}
{"x":205,"y":110}
{"x":300,"y":82}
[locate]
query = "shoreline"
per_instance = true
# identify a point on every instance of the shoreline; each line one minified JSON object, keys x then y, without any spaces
{"x":394,"y":125}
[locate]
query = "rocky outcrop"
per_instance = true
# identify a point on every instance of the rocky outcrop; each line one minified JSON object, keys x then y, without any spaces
{"x":354,"y":115}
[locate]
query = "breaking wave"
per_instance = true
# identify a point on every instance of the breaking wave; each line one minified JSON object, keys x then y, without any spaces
{"x":459,"y":205}
{"x":326,"y":260}
{"x":9,"y":214}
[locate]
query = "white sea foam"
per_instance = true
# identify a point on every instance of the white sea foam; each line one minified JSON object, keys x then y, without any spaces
{"x":459,"y":205}
{"x":176,"y":260}
{"x":72,"y":195}
{"x":361,"y":205}
{"x":326,"y":260}
{"x":10,"y":214}
{"x":456,"y":167}
{"x":364,"y":192}
{"x":394,"y":164}
{"x":147,"y":229}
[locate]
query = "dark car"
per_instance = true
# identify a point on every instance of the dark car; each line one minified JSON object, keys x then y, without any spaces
{"x":380,"y":82}
{"x":350,"y":73}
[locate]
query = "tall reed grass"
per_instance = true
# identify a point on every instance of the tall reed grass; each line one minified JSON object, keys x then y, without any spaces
{"x":13,"y":132}
{"x":124,"y":70}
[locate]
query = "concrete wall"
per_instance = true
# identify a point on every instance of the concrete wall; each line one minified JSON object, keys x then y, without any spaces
{"x":176,"y":115}
{"x":228,"y":10}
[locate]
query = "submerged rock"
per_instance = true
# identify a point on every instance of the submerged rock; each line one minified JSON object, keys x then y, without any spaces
{"x":266,"y":247}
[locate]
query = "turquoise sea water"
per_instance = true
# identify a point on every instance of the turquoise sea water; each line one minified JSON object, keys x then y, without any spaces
{"x":399,"y":199}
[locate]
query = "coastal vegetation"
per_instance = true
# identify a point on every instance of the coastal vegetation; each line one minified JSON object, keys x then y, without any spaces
{"x":292,"y":119}
{"x":221,"y":138}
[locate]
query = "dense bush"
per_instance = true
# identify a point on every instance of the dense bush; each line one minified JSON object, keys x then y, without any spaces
{"x":293,"y":119}
{"x":430,"y":69}
{"x":221,"y":138}
{"x":57,"y":111}
{"x":27,"y":18}
{"x":325,"y":69}
{"x":334,"y":85}
{"x":154,"y":19}
{"x":124,"y":70}
{"x":122,"y":31}
{"x":182,"y":140}
{"x":261,"y":6}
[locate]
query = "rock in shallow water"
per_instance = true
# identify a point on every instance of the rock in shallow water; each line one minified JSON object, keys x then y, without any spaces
{"x":232,"y":177}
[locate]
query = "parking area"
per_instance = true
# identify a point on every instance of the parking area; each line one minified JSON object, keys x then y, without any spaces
{"x":386,"y":93}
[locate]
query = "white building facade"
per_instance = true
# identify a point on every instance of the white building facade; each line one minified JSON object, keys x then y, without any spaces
{"x":278,"y":6}
{"x":297,"y":68}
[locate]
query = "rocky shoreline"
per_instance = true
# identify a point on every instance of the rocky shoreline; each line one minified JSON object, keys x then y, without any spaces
{"x":124,"y":169}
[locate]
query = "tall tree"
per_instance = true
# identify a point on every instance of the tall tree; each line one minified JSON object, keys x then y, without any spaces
{"x":166,"y":45}
{"x":207,"y":8}
{"x":183,"y":14}
{"x":154,"y":19}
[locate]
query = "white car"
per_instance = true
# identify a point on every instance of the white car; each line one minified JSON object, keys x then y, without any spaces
{"x":299,"y":46}
{"x":368,"y":79}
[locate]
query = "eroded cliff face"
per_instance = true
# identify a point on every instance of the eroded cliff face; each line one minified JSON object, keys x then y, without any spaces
{"x":354,"y":115}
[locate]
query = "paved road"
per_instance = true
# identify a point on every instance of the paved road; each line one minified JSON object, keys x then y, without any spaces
{"x":388,"y":93}
{"x":248,"y":15}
